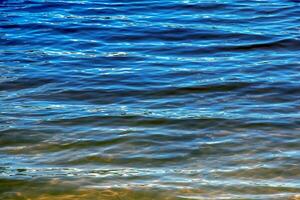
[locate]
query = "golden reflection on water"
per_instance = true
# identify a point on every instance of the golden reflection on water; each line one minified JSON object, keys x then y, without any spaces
{"x":56,"y":189}
{"x":121,"y":194}
{"x":90,"y":194}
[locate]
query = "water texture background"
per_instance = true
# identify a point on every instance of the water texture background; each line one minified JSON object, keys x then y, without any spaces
{"x":173,"y":99}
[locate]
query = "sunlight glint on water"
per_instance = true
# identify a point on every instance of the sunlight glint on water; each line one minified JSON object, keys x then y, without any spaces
{"x":149,"y":100}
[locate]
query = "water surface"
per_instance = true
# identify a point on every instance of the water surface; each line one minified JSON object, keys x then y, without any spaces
{"x":174,"y":99}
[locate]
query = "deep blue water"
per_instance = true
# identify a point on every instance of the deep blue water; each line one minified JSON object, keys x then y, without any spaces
{"x":174,"y":99}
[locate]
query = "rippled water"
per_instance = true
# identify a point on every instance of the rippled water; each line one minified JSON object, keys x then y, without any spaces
{"x":107,"y":99}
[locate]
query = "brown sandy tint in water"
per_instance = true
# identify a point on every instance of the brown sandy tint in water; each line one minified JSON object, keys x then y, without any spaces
{"x":56,"y":189}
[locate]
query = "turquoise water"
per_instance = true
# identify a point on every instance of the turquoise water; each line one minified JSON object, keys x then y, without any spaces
{"x":149,"y":99}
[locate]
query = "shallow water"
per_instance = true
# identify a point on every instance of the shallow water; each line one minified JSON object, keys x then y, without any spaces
{"x":149,"y":99}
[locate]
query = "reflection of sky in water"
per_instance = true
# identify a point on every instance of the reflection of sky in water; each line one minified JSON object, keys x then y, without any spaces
{"x":149,"y":99}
